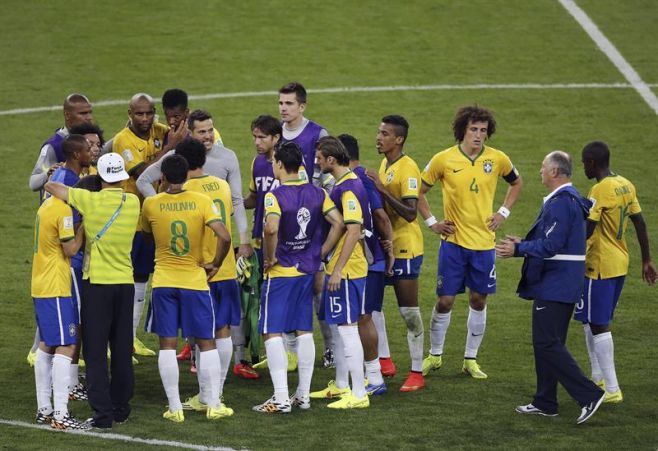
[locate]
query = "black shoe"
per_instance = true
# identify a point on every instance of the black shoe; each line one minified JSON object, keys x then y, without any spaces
{"x":590,"y":409}
{"x":100,"y":427}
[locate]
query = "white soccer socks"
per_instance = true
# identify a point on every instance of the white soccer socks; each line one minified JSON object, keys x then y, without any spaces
{"x":61,"y":376}
{"x":325,"y":329}
{"x":476,"y":325}
{"x":168,"y":367}
{"x":342,"y":372}
{"x":439,"y":324}
{"x":43,"y":381}
{"x":415,"y":335}
{"x":306,"y":360}
{"x":224,"y":350}
{"x":277,"y":361}
{"x":74,"y":375}
{"x":597,"y":374}
{"x":605,"y":353}
{"x":374,"y":372}
{"x":138,"y":306}
{"x":382,"y":337}
{"x":353,"y":351}
{"x":208,"y":373}
{"x":239,"y":341}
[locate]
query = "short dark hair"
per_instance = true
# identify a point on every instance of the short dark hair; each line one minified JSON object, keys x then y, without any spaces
{"x":290,"y":155}
{"x":72,"y":144}
{"x":598,"y":152}
{"x":472,"y":113}
{"x":193,"y":151}
{"x":400,"y":124}
{"x":294,"y":88}
{"x":88,"y":129}
{"x":267,"y":124}
{"x":351,"y":145}
{"x":197,"y":115}
{"x":173,"y":98}
{"x":330,"y":146}
{"x":175,"y":168}
{"x":90,"y":183}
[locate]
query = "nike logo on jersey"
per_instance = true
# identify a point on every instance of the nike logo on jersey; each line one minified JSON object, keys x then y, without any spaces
{"x":454,"y":171}
{"x":539,"y":308}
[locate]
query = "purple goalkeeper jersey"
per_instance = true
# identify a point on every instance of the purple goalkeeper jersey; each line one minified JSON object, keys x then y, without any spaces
{"x":307,"y":140}
{"x":300,"y":228}
{"x":264,"y":181}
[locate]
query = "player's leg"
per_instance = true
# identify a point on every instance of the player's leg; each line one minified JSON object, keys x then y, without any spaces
{"x":123,"y":379}
{"x":582,"y":313}
{"x":325,"y":330}
{"x":143,"y":256}
{"x":43,"y":365}
{"x":305,"y":345}
{"x":77,"y":391}
{"x":373,"y":300}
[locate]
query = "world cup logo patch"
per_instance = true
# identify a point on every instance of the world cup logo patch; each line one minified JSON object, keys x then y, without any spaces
{"x":303,"y":218}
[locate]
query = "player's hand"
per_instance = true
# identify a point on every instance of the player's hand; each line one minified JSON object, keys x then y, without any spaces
{"x":649,"y":274}
{"x":333,"y":284}
{"x":387,"y":245}
{"x":505,"y":248}
{"x":53,"y":168}
{"x":268,"y":264}
{"x":176,"y":135}
{"x":445,"y":227}
{"x":374,"y":176}
{"x":495,"y":221}
{"x":513,"y":238}
{"x":245,"y":250}
{"x":211,"y":270}
{"x":390,"y":261}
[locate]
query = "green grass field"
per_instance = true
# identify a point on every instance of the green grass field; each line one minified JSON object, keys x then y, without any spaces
{"x":111,"y":50}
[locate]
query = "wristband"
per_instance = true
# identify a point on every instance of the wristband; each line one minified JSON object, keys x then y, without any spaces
{"x":431,"y":221}
{"x":504,"y":211}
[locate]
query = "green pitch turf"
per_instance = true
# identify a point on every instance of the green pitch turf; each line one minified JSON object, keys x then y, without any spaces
{"x":111,"y":50}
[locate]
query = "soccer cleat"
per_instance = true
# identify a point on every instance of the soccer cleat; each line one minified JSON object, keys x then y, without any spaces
{"x":589,"y":410}
{"x":140,"y":349}
{"x":194,"y":403}
{"x":176,"y":417}
{"x":600,"y":383}
{"x":262,"y":364}
{"x":273,"y":406}
{"x":68,"y":422}
{"x":613,"y":398}
{"x":332,"y":391}
{"x":376,"y":390}
{"x":529,"y":409}
{"x":431,"y":363}
{"x":245,"y":371}
{"x":472,"y":368}
{"x":81,"y":363}
{"x":387,"y":367}
{"x":328,"y":359}
{"x":292,"y":361}
{"x":415,"y":381}
{"x":78,"y":393}
{"x":31,"y":358}
{"x":217,"y":413}
{"x":350,"y":401}
{"x":43,"y":418}
{"x":301,"y":402}
{"x":185,"y":353}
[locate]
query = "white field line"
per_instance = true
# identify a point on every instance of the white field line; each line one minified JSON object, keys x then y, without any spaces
{"x":115,"y":437}
{"x":612,"y":53}
{"x":351,"y":89}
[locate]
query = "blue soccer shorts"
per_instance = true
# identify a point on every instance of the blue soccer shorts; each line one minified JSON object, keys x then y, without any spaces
{"x":345,"y":305}
{"x":58,"y":320}
{"x":142,"y":255}
{"x":227,"y":302}
{"x":192,"y":311}
{"x":599,"y":300}
{"x":405,"y":269}
{"x":76,"y":286}
{"x":375,"y":284}
{"x":286,"y":304}
{"x":459,"y":268}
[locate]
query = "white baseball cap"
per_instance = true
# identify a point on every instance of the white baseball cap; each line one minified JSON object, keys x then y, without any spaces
{"x":111,"y":168}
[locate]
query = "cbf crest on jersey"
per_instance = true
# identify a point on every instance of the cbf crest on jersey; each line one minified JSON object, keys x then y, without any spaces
{"x":389,"y":176}
{"x":303,"y":218}
{"x":487,"y":166}
{"x":156,"y":143}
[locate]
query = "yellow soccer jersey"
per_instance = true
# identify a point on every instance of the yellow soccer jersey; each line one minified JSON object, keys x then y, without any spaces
{"x":614,"y":200}
{"x":137,"y":151}
{"x":468,"y":189}
{"x":402,"y":179}
{"x":357,"y":265}
{"x":217,"y":137}
{"x":219,"y":192}
{"x":51,"y":269}
{"x":178,"y":222}
{"x":272,"y":207}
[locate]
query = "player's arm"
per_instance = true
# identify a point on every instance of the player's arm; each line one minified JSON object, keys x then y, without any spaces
{"x":59,"y":190}
{"x":591,"y":226}
{"x":147,"y":177}
{"x":445,"y":227}
{"x":335,"y":220}
{"x":649,"y":273}
{"x":270,"y":239}
{"x":223,"y":247}
{"x":72,"y":246}
{"x":239,"y":213}
{"x":352,"y":236}
{"x":44,"y":167}
{"x":406,"y":208}
{"x":513,"y":192}
{"x":250,"y":200}
{"x":384,"y":229}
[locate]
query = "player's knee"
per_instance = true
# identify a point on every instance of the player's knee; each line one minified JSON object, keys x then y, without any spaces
{"x":412,"y":318}
{"x":599,"y":328}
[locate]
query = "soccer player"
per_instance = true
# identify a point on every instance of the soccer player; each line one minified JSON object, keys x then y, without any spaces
{"x":468,"y":172}
{"x":140,"y":144}
{"x":224,"y":286}
{"x":398,"y":182}
{"x":345,"y":279}
{"x":94,"y":135}
{"x":181,"y":300}
{"x":56,"y":312}
{"x":292,"y":252}
{"x":615,"y":201}
{"x":176,"y":110}
{"x":77,"y":111}
{"x":372,"y":327}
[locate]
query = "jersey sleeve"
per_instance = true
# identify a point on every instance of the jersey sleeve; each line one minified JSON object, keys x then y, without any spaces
{"x":217,"y":137}
{"x":65,"y":223}
{"x":211,"y":212}
{"x":131,"y":156}
{"x":352,"y":213}
{"x":409,"y":182}
{"x":599,"y":203}
{"x":79,"y":199}
{"x":433,"y":171}
{"x":271,"y":205}
{"x":327,"y":204}
{"x":507,"y":169}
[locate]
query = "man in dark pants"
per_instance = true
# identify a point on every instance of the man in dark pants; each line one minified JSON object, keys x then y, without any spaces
{"x":552,"y":274}
{"x":109,"y":218}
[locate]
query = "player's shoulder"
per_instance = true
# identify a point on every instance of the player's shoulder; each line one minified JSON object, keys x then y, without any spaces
{"x":493,"y":152}
{"x":160,"y":129}
{"x":408,"y":163}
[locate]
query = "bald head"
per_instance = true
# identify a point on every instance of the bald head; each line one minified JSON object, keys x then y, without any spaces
{"x":77,"y":110}
{"x":141,"y":98}
{"x":141,"y":113}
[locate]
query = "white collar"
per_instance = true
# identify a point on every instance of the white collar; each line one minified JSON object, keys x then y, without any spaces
{"x":556,"y":190}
